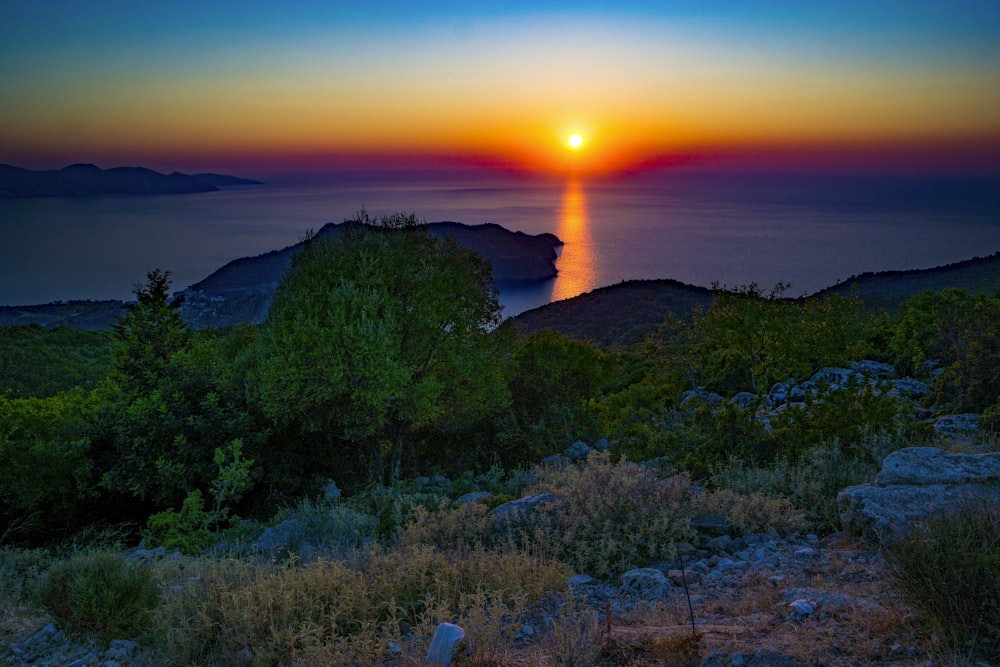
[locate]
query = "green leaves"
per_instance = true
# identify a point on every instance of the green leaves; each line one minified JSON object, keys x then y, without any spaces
{"x":372,"y":334}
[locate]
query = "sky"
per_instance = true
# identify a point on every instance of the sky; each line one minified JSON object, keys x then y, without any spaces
{"x":247,"y":86}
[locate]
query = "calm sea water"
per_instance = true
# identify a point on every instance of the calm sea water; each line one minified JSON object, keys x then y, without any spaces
{"x":809,"y":230}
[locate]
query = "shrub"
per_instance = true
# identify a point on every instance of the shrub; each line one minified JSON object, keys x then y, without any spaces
{"x":99,"y":594}
{"x":950,"y":569}
{"x":336,"y":530}
{"x":186,"y":530}
{"x":610,"y":517}
{"x":18,"y":568}
{"x":750,"y":513}
{"x":814,"y":479}
{"x":329,"y":612}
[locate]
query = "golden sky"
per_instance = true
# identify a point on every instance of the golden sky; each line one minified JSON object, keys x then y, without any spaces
{"x":647,"y":85}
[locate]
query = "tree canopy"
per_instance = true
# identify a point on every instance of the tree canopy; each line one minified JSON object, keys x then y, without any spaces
{"x":376,"y":332}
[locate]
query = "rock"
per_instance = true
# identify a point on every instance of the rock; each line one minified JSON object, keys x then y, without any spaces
{"x":447,"y":638}
{"x":785,"y":392}
{"x":681,"y":577}
{"x":602,"y":445}
{"x":916,"y":483}
{"x":835,"y":378}
{"x":711,"y":524}
{"x":701,"y":395}
{"x":279,"y":537}
{"x":578,"y":451}
{"x":930,"y":465}
{"x":963,"y":424}
{"x":646,"y":583}
{"x":802,"y":607}
{"x":744,"y":399}
{"x":472,"y":498}
{"x":830,"y":602}
{"x":873,"y":369}
{"x":521,"y":508}
{"x":908,"y":388}
{"x":121,"y":650}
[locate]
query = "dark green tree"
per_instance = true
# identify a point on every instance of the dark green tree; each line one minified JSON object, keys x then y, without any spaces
{"x":374,"y":334}
{"x":173,"y":402}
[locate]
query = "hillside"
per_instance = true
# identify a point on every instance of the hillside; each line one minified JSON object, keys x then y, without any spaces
{"x":82,"y":180}
{"x":888,"y":288}
{"x":619,"y":315}
{"x":624,"y":314}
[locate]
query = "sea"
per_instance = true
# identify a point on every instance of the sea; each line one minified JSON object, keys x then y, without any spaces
{"x":807,"y":230}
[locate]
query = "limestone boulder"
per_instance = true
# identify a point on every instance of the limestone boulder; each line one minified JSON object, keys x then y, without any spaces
{"x":915,"y":484}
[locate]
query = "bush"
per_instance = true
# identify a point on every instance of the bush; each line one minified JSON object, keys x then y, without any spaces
{"x":814,"y":479}
{"x":99,"y":594}
{"x":333,"y":612}
{"x":610,"y":517}
{"x":950,"y":569}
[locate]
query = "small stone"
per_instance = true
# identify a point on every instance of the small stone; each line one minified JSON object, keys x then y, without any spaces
{"x":802,"y":607}
{"x":447,"y":637}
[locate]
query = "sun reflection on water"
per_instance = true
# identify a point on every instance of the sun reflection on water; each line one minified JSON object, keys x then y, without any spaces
{"x":576,"y":261}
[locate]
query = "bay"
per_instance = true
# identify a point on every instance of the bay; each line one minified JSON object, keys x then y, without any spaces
{"x":807,"y":229}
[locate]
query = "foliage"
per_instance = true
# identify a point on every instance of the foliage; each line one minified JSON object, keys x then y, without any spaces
{"x":552,"y":380}
{"x":609,"y":517}
{"x":959,"y":331}
{"x":812,"y":480}
{"x":99,"y":594}
{"x":394,"y":506}
{"x":336,"y":530}
{"x":41,"y":362}
{"x":843,"y":416}
{"x":46,"y":472}
{"x":330,"y":611}
{"x":950,"y":568}
{"x":172,"y":401}
{"x":747,"y":340}
{"x":752,"y":512}
{"x":192,"y":529}
{"x":377,"y":332}
{"x":186,"y":530}
{"x":19,"y":569}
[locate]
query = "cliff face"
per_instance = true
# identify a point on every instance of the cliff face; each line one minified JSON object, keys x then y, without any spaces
{"x":81,"y":180}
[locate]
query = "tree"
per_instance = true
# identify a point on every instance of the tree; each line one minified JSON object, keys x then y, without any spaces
{"x":172,"y":403}
{"x":375,"y":333}
{"x":148,"y":335}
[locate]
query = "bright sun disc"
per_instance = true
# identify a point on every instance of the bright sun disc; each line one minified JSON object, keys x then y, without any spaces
{"x":574,"y":140}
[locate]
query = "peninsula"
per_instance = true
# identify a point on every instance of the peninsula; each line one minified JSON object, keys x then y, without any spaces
{"x":87,"y":180}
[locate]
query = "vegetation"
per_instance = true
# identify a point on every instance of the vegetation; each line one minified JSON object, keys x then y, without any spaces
{"x":950,"y":568}
{"x":383,"y":387}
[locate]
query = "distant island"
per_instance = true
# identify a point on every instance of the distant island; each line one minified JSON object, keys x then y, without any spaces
{"x":87,"y":180}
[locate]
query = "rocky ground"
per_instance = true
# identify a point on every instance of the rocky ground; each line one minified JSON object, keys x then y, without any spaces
{"x":775,"y":600}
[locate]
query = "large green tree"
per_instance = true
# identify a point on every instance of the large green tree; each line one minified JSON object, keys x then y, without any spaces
{"x":376,"y":333}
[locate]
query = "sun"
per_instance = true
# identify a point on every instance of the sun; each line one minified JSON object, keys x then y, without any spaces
{"x":575,"y":141}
